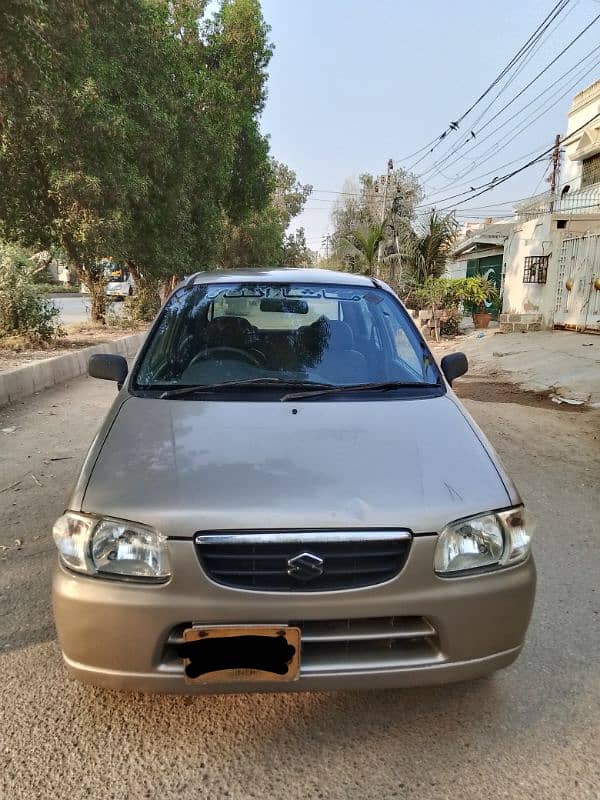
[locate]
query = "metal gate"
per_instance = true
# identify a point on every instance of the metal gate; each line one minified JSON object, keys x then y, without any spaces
{"x":577,"y":298}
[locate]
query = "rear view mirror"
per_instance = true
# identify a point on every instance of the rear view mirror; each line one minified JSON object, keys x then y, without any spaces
{"x":284,"y":305}
{"x":454,"y":365}
{"x":108,"y":368}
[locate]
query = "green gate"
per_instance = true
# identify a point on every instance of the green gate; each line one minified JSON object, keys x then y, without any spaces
{"x":491,"y":267}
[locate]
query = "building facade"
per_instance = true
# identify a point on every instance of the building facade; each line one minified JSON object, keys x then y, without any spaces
{"x":550,"y":250}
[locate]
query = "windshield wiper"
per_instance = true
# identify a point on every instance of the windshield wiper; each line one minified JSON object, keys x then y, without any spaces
{"x":207,"y":388}
{"x":384,"y":386}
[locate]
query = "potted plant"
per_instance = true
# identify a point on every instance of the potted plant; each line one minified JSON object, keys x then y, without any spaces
{"x":480,"y":293}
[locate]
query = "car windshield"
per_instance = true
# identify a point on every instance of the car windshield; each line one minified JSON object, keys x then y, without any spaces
{"x":214,"y":334}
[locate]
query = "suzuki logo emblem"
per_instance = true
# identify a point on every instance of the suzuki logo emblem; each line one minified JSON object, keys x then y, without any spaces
{"x":305,"y":566}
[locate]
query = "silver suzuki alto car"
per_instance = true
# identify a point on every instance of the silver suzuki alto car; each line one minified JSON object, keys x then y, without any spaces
{"x":286,"y":494}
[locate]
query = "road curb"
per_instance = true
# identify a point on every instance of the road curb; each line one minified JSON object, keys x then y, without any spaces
{"x":25,"y":381}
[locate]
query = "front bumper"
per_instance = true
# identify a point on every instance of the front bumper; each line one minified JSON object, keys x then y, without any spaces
{"x":119,"y":635}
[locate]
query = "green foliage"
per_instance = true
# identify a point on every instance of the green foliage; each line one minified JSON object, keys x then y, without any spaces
{"x":22,"y":310}
{"x":129,"y":129}
{"x":425,"y":250}
{"x":56,"y":288}
{"x":450,"y":293}
{"x":450,"y":322}
{"x":260,"y":239}
{"x":359,"y":247}
{"x":366,"y":203}
{"x":479,"y":290}
{"x":295,"y":251}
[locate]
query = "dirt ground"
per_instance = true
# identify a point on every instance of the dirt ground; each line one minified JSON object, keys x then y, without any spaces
{"x":560,"y":364}
{"x":15,"y":352}
{"x":531,"y":731}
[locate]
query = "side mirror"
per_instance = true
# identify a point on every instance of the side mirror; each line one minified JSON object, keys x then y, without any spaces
{"x":108,"y":368}
{"x":454,"y":365}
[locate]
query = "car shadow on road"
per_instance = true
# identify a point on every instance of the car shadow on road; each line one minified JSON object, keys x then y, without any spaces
{"x":485,"y":390}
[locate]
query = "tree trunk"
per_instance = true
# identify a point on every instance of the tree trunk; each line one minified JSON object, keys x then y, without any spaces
{"x":146,"y":300}
{"x":98,"y":297}
{"x":95,"y":284}
{"x":169,"y":285}
{"x":135,"y":273}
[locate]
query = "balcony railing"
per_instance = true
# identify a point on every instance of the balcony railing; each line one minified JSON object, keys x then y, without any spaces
{"x":582,"y":201}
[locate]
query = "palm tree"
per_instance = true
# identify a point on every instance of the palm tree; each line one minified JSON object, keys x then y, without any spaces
{"x":360,"y":247}
{"x":425,"y":251}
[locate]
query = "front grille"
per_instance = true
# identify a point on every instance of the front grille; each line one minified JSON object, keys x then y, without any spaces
{"x":303,"y":561}
{"x":347,"y":646}
{"x":381,"y":643}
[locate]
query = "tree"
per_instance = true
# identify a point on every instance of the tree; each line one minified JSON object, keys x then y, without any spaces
{"x":295,"y":251}
{"x":425,"y":250}
{"x":366,"y":204}
{"x":213,"y":170}
{"x":129,"y":130}
{"x":260,"y":239}
{"x":68,"y":157}
{"x":360,"y":247}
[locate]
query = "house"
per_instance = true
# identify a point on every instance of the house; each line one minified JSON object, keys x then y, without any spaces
{"x":550,"y":250}
{"x":481,"y":251}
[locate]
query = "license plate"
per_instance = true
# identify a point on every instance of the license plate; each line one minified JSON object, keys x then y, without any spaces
{"x":222,"y":654}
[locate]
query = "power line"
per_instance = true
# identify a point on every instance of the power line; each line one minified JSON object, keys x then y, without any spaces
{"x":520,"y":128}
{"x":359,"y":194}
{"x":494,"y":149}
{"x":539,"y":31}
{"x":526,"y":61}
{"x":508,"y":83}
{"x":517,"y":113}
{"x":479,"y":190}
{"x":557,"y":9}
{"x":504,"y":178}
{"x":524,"y":89}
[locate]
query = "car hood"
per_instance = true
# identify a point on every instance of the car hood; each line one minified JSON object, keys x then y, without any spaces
{"x":190,"y":465}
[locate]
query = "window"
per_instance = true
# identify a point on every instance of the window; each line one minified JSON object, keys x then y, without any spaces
{"x":590,"y":173}
{"x":561,"y":224}
{"x":309,"y":333}
{"x":536,"y":269}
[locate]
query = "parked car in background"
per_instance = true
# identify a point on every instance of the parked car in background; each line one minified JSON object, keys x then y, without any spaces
{"x":119,"y":283}
{"x":287,"y":495}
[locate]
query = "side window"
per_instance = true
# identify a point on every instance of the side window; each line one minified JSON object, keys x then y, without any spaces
{"x":404,"y":349}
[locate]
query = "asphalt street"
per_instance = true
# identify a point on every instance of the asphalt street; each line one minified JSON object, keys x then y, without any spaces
{"x":75,"y":308}
{"x":531,"y":731}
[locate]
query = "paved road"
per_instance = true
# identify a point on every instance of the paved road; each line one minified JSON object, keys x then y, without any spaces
{"x":75,"y":308}
{"x":532,"y":731}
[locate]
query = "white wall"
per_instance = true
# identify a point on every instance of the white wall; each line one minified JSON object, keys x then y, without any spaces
{"x":456,"y":269}
{"x":538,"y":237}
{"x":531,"y":238}
{"x":585,"y":105}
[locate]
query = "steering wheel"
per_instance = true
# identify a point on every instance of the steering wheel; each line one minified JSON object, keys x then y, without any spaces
{"x":232,"y":352}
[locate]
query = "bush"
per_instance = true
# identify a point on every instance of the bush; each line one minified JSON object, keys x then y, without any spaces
{"x":449,"y":293}
{"x":138,"y":309}
{"x":439,"y":293}
{"x":450,"y":325}
{"x":22,"y":310}
{"x":57,"y":288}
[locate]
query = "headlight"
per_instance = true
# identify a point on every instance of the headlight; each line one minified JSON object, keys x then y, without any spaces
{"x":111,"y":547}
{"x":488,"y":540}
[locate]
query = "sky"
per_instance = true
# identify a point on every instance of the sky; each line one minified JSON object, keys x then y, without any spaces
{"x":353,"y":83}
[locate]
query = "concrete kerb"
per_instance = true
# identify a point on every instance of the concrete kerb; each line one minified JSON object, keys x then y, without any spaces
{"x":24,"y":381}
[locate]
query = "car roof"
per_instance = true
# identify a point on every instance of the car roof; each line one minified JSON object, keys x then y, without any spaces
{"x":280,"y":275}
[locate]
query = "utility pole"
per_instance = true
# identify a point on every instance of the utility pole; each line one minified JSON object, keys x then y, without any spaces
{"x":555,"y":171}
{"x":390,"y":167}
{"x":326,"y":240}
